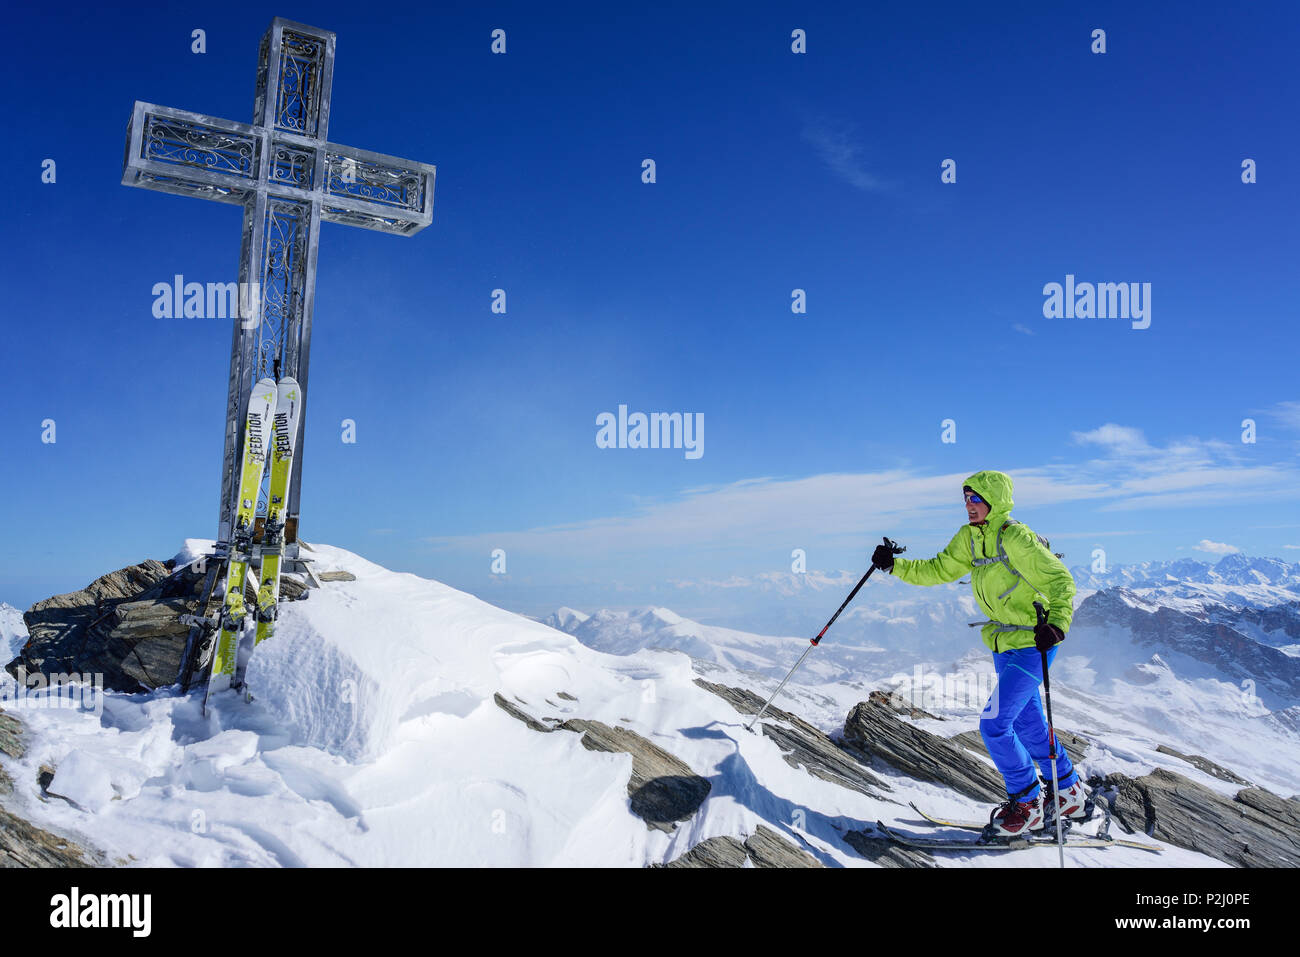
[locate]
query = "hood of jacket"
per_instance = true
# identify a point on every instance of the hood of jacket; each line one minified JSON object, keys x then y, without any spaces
{"x":994,"y":488}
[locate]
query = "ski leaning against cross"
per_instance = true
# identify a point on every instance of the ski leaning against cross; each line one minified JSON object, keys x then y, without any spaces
{"x":270,"y":431}
{"x":1011,"y":570}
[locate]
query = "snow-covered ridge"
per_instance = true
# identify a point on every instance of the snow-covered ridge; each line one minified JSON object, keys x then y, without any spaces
{"x":377,"y":737}
{"x":13,"y":632}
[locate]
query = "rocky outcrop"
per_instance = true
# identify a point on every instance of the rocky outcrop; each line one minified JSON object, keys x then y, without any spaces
{"x":763,"y":848}
{"x":520,"y":714}
{"x":23,"y":844}
{"x":336,"y":576}
{"x":874,"y":732}
{"x":1284,"y":810}
{"x":1075,"y":746}
{"x":887,"y":853}
{"x":11,"y":730}
{"x":899,"y":705}
{"x":1204,"y":764}
{"x":803,"y":746}
{"x":1254,"y":829}
{"x":124,"y":626}
{"x":662,"y":788}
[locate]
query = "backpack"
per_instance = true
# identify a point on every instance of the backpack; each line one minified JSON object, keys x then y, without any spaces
{"x":1002,"y":555}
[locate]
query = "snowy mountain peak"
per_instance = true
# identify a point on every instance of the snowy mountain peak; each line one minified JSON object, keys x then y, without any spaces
{"x":13,"y":631}
{"x":1195,"y":586}
{"x":665,"y":615}
{"x":1239,"y":569}
{"x":564,"y":619}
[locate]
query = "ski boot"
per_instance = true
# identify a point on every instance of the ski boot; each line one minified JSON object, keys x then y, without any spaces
{"x":1017,"y":817}
{"x":1075,"y":804}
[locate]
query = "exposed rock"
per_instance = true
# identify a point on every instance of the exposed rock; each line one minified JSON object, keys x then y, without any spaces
{"x":337,"y":576}
{"x":1204,"y":764}
{"x":769,"y":849}
{"x":73,"y":633}
{"x":663,"y":788}
{"x":565,"y":695}
{"x":887,"y":853}
{"x":1075,"y":746}
{"x":875,"y":731}
{"x":1286,"y":810}
{"x":897,"y":703}
{"x":803,"y":746}
{"x":745,"y":701}
{"x":23,"y":844}
{"x":124,"y":626}
{"x":517,"y":712}
{"x":763,"y":848}
{"x":1256,"y":829}
{"x":291,"y":589}
{"x":823,"y":758}
{"x":11,"y":732}
{"x":712,"y":852}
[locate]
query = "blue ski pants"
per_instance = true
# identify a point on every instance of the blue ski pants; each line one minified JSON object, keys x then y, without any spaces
{"x":1014,"y":726}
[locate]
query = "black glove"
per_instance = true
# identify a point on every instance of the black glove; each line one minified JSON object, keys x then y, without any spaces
{"x":1046,"y":636}
{"x":883,"y":558}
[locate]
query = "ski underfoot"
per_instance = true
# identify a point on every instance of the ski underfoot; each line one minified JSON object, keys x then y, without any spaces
{"x":1044,"y":838}
{"x":1038,"y":839}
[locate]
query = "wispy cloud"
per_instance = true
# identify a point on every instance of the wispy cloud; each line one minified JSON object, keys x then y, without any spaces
{"x":835,"y":144}
{"x":847,"y":508}
{"x":1119,"y":438}
{"x":1216,"y":548}
{"x":1285,"y":413}
{"x":1022,"y":328}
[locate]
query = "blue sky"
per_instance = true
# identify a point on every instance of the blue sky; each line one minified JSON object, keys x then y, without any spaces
{"x":775,"y":171}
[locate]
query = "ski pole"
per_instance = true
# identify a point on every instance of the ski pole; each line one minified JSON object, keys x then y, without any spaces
{"x":1051,"y":737}
{"x":893,"y":547}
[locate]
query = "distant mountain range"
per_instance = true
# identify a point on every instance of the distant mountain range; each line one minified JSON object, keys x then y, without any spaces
{"x":1256,"y":648}
{"x":1251,"y":580}
{"x":1235,"y":621}
{"x":627,"y":632}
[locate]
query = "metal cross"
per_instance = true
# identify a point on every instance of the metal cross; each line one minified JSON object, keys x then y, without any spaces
{"x":288,"y":178}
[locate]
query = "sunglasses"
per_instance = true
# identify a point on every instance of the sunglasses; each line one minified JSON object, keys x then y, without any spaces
{"x":974,"y":499}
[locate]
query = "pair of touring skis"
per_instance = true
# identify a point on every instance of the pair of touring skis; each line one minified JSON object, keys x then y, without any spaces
{"x":1044,"y":838}
{"x":270,"y":433}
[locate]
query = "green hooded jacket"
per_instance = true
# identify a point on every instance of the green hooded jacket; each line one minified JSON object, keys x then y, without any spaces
{"x":1000,"y":594}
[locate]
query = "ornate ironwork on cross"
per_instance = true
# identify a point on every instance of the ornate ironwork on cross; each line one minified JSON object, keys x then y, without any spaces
{"x":288,"y":178}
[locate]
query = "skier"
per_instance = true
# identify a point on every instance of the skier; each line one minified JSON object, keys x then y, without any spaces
{"x":1010,"y":568}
